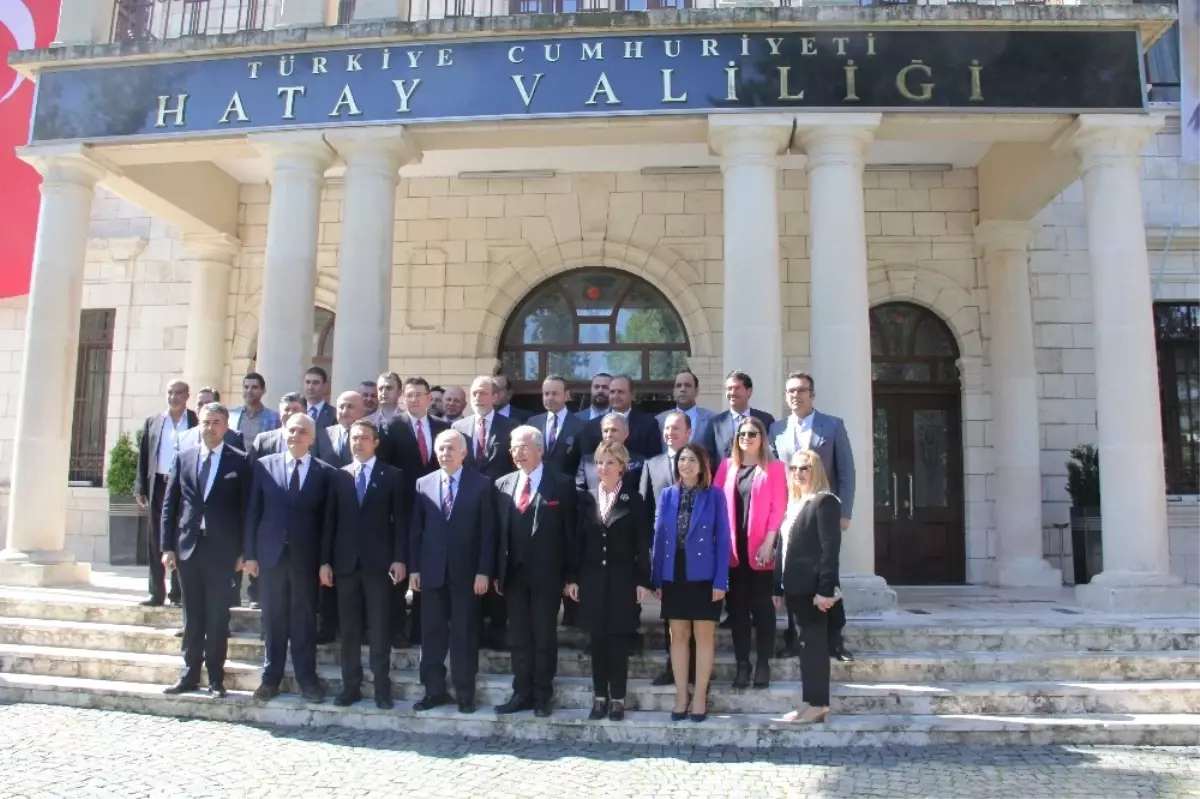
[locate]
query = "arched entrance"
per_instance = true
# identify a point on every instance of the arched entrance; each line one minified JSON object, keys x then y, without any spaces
{"x":594,"y":320}
{"x":919,"y":508}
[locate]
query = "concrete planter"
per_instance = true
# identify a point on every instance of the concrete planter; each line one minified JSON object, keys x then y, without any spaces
{"x":128,"y":532}
{"x":1086,"y":548}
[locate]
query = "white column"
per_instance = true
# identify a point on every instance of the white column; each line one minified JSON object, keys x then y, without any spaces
{"x":211,"y":262}
{"x":1136,"y":576}
{"x":1004,"y":247}
{"x":753,"y":319}
{"x":841,"y":334}
{"x":285,"y":326}
{"x":34,"y":552}
{"x":364,"y":302}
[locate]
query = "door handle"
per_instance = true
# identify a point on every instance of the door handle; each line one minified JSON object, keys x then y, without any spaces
{"x":910,"y":495}
{"x":895,"y":498}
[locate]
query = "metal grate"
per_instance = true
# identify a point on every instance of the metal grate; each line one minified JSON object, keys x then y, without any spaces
{"x":92,"y":373}
{"x":1177,"y":332}
{"x":345,"y":12}
{"x":155,"y":20}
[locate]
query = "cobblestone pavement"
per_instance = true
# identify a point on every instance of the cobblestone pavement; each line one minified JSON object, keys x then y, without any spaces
{"x":59,"y":751}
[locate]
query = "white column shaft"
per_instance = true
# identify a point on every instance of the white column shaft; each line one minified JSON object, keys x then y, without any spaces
{"x":42,"y":446}
{"x":1017,"y":448}
{"x":211,"y":268}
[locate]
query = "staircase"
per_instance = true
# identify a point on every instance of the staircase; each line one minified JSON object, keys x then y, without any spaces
{"x":918,"y":679}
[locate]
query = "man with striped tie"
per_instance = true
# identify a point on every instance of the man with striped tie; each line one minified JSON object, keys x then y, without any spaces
{"x":452,"y":559}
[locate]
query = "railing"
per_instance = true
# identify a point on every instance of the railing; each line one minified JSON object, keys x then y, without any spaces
{"x":156,"y":20}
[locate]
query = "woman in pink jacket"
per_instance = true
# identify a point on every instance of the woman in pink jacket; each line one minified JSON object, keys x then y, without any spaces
{"x":755,"y":487}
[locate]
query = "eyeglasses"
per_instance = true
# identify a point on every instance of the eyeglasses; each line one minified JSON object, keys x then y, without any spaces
{"x":747,"y":434}
{"x":797,"y":469}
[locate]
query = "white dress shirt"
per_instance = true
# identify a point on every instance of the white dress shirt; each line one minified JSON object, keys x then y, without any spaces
{"x":168,"y":442}
{"x":366,"y":467}
{"x":801,"y":431}
{"x":314,"y":410}
{"x":288,"y":465}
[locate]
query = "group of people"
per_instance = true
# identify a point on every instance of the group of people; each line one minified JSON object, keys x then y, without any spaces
{"x":496,"y":521}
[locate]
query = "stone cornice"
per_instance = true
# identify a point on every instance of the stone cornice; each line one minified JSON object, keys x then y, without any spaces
{"x":115,"y":250}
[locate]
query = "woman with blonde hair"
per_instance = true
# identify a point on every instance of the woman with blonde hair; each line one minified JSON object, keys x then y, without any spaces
{"x":755,"y":488}
{"x":806,"y":575}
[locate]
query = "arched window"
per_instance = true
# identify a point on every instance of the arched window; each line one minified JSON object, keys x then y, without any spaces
{"x":323,"y":329}
{"x":594,"y":320}
{"x":910,"y":344}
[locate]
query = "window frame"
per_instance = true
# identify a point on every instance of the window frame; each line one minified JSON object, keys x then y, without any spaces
{"x":1168,"y":344}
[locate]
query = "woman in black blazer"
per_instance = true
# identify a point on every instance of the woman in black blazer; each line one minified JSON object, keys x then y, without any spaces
{"x":806,"y":575}
{"x":615,"y":577}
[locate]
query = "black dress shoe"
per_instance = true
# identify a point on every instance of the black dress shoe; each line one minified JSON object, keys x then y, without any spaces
{"x":466,"y":705}
{"x":348,"y":698}
{"x":741,"y":678}
{"x":175,"y":603}
{"x":515,"y":704}
{"x":326,"y":637}
{"x":843,"y":655}
{"x":616,"y":711}
{"x":217,"y":689}
{"x":599,"y":709}
{"x":666,"y":678}
{"x":266,"y":692}
{"x":430,"y":702}
{"x":384,"y":701}
{"x":679,"y":716}
{"x":400,"y":641}
{"x":762,"y":674}
{"x":182,"y":686}
{"x":312,"y":693}
{"x":151,"y":602}
{"x":542,"y":709}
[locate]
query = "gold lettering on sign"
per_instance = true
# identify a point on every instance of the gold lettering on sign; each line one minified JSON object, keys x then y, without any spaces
{"x":352,"y":64}
{"x":840,"y":41}
{"x":851,"y":88}
{"x":557,"y":51}
{"x":254,"y":67}
{"x":413,"y":57}
{"x":287,"y":63}
{"x":604,"y":86}
{"x":783,"y":86}
{"x":672,"y":52}
{"x":176,"y":112}
{"x":445,"y":57}
{"x":976,"y":81}
{"x":633,"y":49}
{"x":387,"y":58}
{"x":731,"y":81}
{"x":318,"y":65}
{"x":870,"y":44}
{"x":774,"y":43}
{"x":346,"y":98}
{"x":667,"y":96}
{"x":808,"y":46}
{"x":527,"y":94}
{"x":708,"y":47}
{"x":234,"y":107}
{"x":289,"y":102}
{"x":516,"y":54}
{"x":405,"y":93}
{"x":592,"y":52}
{"x":902,"y":82}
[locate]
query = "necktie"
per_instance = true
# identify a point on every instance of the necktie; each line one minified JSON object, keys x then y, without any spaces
{"x":421,"y":442}
{"x":294,"y":484}
{"x":312,"y":412}
{"x":481,"y":441}
{"x":448,"y":497}
{"x":552,"y":436}
{"x":360,"y":483}
{"x":205,"y":470}
{"x":674,"y":466}
{"x":526,"y":494}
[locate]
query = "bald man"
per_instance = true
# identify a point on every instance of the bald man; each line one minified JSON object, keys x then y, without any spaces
{"x":333,"y":443}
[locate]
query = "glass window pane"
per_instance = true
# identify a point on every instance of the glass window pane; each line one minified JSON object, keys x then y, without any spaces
{"x":644,"y":319}
{"x":547,"y":319}
{"x":581,"y":365}
{"x":932,"y":339}
{"x":595,"y":334}
{"x":665,"y":364}
{"x":931,"y":445}
{"x":521,"y":365}
{"x":594,"y":293}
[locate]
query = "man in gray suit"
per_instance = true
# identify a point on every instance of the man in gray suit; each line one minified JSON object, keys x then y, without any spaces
{"x":687,"y":386}
{"x":333,"y":442}
{"x":807,"y":428}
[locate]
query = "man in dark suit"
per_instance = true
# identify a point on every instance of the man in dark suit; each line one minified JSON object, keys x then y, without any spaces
{"x":614,"y":429}
{"x":504,"y":395}
{"x":717,"y":436}
{"x":333,"y":442}
{"x":561,"y":430}
{"x":159,"y":443}
{"x":284,"y":528}
{"x":598,"y":399}
{"x":316,"y":387}
{"x":272,"y":442}
{"x":644,"y":435}
{"x":452,"y":552}
{"x":540,"y":552}
{"x":365,"y":546}
{"x":203,"y":508}
{"x":191,"y":438}
{"x":487,"y":432}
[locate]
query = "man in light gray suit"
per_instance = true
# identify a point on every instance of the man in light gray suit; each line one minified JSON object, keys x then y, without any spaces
{"x":807,"y":428}
{"x":687,"y":386}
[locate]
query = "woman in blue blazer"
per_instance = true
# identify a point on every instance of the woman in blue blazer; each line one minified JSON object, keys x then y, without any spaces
{"x":690,"y":572}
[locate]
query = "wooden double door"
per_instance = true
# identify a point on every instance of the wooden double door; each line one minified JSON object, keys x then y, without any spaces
{"x":919,"y":513}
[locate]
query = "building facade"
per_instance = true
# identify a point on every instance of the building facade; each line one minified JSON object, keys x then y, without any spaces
{"x":980,"y":271}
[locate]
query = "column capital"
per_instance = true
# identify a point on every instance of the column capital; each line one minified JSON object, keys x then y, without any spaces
{"x":219,"y":248}
{"x":745,"y":138}
{"x":836,"y":138}
{"x":1109,"y":139}
{"x":294,"y":150}
{"x":384,"y":147}
{"x":1004,"y":235}
{"x":64,"y":164}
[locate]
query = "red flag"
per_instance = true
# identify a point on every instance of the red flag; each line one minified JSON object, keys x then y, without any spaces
{"x":24,"y":25}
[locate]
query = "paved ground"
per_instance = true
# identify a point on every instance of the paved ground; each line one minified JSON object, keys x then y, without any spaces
{"x":55,"y":751}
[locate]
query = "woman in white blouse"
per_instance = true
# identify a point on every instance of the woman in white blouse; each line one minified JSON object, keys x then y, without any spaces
{"x":806,"y":575}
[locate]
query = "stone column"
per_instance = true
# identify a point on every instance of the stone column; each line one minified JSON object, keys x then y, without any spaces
{"x":841,"y":334}
{"x":211,"y":261}
{"x":753,"y":322}
{"x":364,"y":301}
{"x":1136,"y":576}
{"x":34,"y":552}
{"x":1004,"y":247}
{"x":285,"y":327}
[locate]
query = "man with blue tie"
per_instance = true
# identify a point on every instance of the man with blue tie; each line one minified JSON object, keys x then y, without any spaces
{"x":285,"y":524}
{"x":364,"y":550}
{"x":452,"y":559}
{"x":201,"y":524}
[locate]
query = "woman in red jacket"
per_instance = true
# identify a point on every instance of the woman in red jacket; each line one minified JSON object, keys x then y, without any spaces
{"x":755,"y":487}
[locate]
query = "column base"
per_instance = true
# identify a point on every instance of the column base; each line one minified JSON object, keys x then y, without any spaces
{"x":864,"y":593}
{"x":37,"y":569}
{"x":1026,"y":573}
{"x":1140,"y":593}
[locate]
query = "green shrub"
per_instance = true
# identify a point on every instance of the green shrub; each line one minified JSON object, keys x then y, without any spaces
{"x":1083,"y":477}
{"x":122,"y":467}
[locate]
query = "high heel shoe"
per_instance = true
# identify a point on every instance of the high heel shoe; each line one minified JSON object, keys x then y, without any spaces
{"x":681,"y":715}
{"x":807,"y":714}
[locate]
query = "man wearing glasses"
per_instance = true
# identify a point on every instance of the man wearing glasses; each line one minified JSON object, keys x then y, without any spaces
{"x":806,"y":428}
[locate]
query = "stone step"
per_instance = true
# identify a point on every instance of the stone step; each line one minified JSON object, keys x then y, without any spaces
{"x":986,"y":698}
{"x":907,"y":667}
{"x":641,"y":727}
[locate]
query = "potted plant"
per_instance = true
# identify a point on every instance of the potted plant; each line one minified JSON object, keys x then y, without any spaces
{"x":128,"y":524}
{"x":1083,"y":487}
